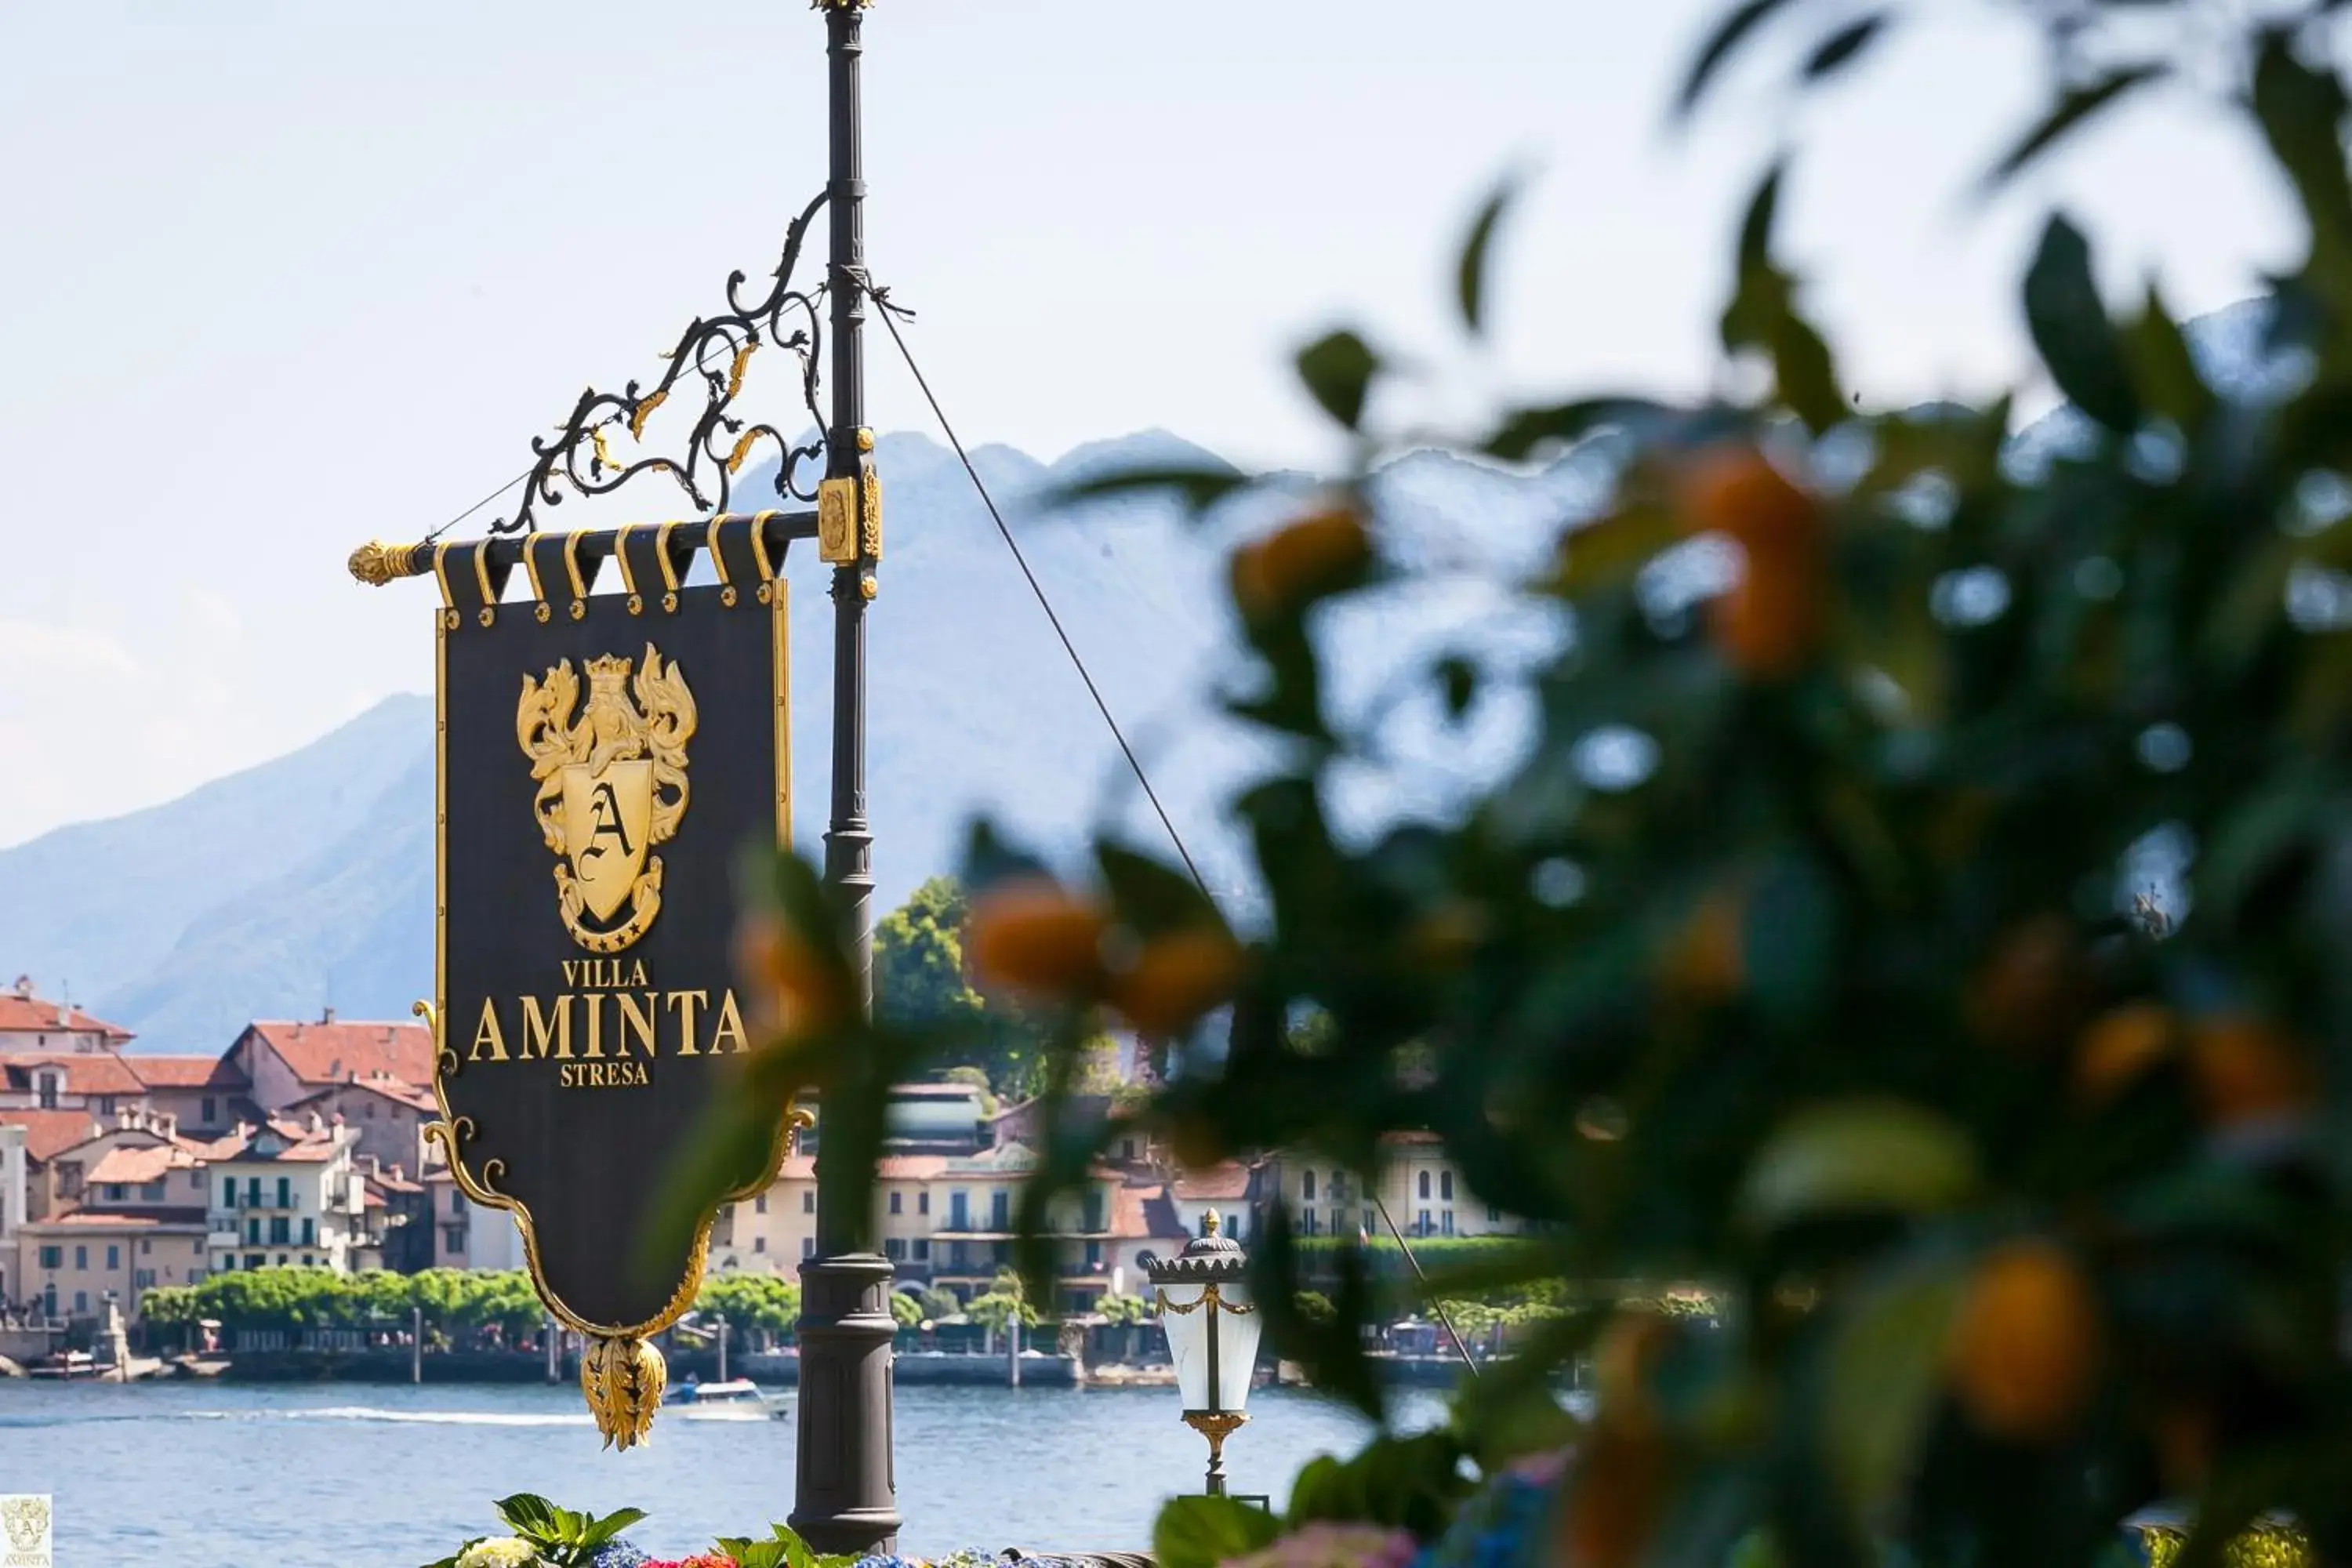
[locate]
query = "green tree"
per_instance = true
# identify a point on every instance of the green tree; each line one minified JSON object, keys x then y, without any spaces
{"x":906,"y":1310}
{"x":920,"y":980}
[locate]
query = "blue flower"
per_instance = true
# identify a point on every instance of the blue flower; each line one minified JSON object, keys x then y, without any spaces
{"x":618,"y":1554}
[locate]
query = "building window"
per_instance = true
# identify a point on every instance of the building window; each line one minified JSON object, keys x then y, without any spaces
{"x":142,"y":1279}
{"x":46,"y":1086}
{"x":1094,"y":1254}
{"x":453,"y":1238}
{"x":896,"y":1202}
{"x":1306,"y":1222}
{"x":277,"y":1228}
{"x":254,"y":1260}
{"x":1421,"y":1223}
{"x":1446,"y":1186}
{"x":309,"y":1261}
{"x":53,"y":1258}
{"x":922,"y":1249}
{"x":207,"y":1115}
{"x":923,"y":1202}
{"x":1339,"y":1222}
{"x":371,"y":1110}
{"x":285,"y":1192}
{"x":81,"y":1301}
{"x":1000,"y":1252}
{"x":1094,"y":1215}
{"x":1306,"y":1187}
{"x":808,"y":1201}
{"x":151,"y":1192}
{"x":1424,"y":1186}
{"x":252,"y":1192}
{"x":82,"y":1258}
{"x":281,"y":1260}
{"x":1446,"y":1220}
{"x":228,"y":1191}
{"x":113,"y":1257}
{"x":760,"y":1204}
{"x":309,"y":1235}
{"x":114,"y":1191}
{"x":1126,"y":1148}
{"x":1339,"y":1186}
{"x":759,"y":1244}
{"x":252,"y":1231}
{"x":808,"y":1246}
{"x":146,"y":1246}
{"x":999,"y":1209}
{"x":959,"y":1218}
{"x":895,"y":1250}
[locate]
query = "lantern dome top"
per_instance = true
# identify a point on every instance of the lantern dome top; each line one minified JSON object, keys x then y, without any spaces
{"x":1209,"y":1256}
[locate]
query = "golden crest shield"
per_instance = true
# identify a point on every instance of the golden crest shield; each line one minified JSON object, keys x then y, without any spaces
{"x":612,"y":787}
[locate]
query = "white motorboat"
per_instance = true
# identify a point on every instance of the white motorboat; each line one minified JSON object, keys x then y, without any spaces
{"x":739,"y":1399}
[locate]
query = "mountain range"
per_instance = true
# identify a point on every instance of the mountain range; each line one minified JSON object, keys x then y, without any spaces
{"x":308,"y":881}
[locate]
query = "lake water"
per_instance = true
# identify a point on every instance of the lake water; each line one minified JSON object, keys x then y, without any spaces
{"x":204,"y":1475}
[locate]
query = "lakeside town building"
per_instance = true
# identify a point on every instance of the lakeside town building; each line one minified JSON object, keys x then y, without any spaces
{"x":301,"y":1145}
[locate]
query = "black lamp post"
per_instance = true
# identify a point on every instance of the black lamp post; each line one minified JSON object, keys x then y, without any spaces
{"x":1212,"y":1329}
{"x":846,"y":1498}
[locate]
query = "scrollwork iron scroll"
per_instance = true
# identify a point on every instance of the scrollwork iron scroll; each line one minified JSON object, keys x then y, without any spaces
{"x":718,"y":350}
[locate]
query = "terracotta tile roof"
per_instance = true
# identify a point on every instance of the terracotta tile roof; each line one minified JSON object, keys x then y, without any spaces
{"x":86,"y":1072}
{"x":1411,"y":1136}
{"x":344,"y":1053}
{"x":218,"y":1072}
{"x":49,"y":1134}
{"x":407,"y":1094}
{"x":118,"y":1219}
{"x":132,"y":1166}
{"x":797,"y":1168}
{"x":1225,"y":1182}
{"x":31,"y":1014}
{"x":299,"y":1147}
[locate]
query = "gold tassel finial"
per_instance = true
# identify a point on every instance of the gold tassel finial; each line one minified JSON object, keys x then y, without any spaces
{"x":377,"y":563}
{"x":623,"y":1380}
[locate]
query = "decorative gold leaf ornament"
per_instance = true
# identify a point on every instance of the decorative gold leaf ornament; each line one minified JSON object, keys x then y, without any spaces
{"x":623,"y":1380}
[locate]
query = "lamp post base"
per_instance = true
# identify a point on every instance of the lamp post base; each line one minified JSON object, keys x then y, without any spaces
{"x":847,"y":1500}
{"x":1216,"y":1425}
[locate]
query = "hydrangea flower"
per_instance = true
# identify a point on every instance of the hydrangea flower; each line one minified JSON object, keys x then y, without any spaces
{"x":507,"y":1552}
{"x":619,"y":1553}
{"x":1501,"y":1526}
{"x":1325,"y":1544}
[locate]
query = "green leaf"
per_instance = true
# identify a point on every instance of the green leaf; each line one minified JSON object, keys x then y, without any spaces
{"x":1201,"y":486}
{"x":1885,"y":1379}
{"x":2074,"y":106}
{"x":531,"y":1516}
{"x":1470,"y":272}
{"x":1607,"y":553}
{"x":597,"y":1532}
{"x":2071,"y":328}
{"x":1762,"y":315}
{"x":1525,"y":430}
{"x":2162,"y":367}
{"x":1859,"y":1156}
{"x":1845,"y":46}
{"x":1203,"y":1532}
{"x":1734,"y":30}
{"x":2302,"y":115}
{"x":1339,"y":370}
{"x":1152,"y":896}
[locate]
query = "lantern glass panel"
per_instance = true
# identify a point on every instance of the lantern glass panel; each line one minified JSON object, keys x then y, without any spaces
{"x":1188,"y":1343}
{"x":1237,"y":1348}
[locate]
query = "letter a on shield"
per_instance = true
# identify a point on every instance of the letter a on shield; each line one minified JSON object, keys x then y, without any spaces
{"x":607,"y":821}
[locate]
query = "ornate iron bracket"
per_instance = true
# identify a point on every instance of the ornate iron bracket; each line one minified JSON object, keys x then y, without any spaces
{"x":717,"y":350}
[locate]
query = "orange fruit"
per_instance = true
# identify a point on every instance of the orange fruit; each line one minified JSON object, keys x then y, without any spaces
{"x":2118,"y":1047}
{"x":2245,"y":1069}
{"x":1035,"y":937}
{"x":1732,"y":489}
{"x":1628,"y":1350}
{"x":1177,"y":978}
{"x":1707,"y":960}
{"x":1768,"y":624}
{"x":1617,"y":1492}
{"x":1313,"y":555}
{"x":789,"y":982}
{"x":2026,"y":1344}
{"x":2030,"y":991}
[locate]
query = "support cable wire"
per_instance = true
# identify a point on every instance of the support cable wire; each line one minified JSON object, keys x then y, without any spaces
{"x":890,"y":314}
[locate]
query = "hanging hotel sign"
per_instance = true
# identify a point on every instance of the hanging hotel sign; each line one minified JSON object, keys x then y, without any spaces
{"x":604,"y":761}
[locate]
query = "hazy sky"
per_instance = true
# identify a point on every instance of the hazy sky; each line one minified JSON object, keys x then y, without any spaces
{"x":280,"y":277}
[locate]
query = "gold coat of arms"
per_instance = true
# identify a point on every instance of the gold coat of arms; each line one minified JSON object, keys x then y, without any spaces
{"x":612,"y":787}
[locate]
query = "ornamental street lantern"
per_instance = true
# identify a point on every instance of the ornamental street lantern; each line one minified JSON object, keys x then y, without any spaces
{"x":1203,"y":1299}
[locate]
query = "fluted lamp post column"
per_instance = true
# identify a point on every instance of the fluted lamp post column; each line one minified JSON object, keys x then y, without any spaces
{"x":1203,"y":1297}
